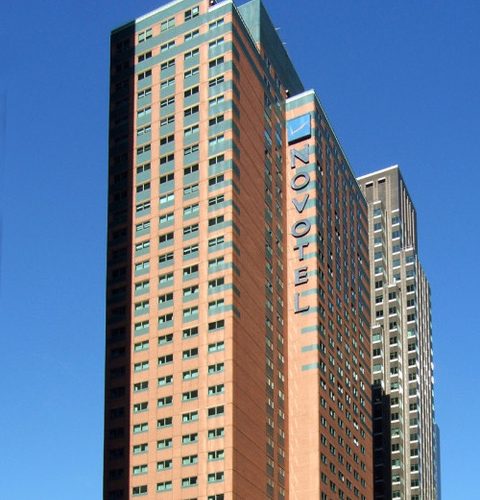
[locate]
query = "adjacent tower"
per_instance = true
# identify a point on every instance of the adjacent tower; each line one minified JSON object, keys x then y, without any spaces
{"x":402,"y":362}
{"x":238,"y":360}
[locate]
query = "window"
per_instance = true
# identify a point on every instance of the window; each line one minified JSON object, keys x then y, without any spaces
{"x":167,"y":120}
{"x":190,"y":250}
{"x":216,"y":23}
{"x":140,"y":448}
{"x":191,"y":210}
{"x":164,"y":486}
{"x":167,"y":64}
{"x":190,"y":332}
{"x":166,"y":259}
{"x":167,"y":102}
{"x":216,"y":100}
{"x":165,"y":279}
{"x":165,"y":401}
{"x":190,"y":111}
{"x":190,"y":374}
{"x":190,"y":313}
{"x":189,"y":271}
{"x":166,"y":218}
{"x":216,"y":120}
{"x":213,"y":242}
{"x":216,"y":325}
{"x":216,"y":62}
{"x":216,"y":477}
{"x":190,"y":54}
{"x":167,"y":198}
{"x":215,"y":220}
{"x":216,"y":200}
{"x":142,"y":131}
{"x":140,"y":469}
{"x":166,"y":380}
{"x":139,"y":490}
{"x":140,"y":386}
{"x":215,"y":390}
{"x":144,"y":74}
{"x":189,"y":395}
{"x":187,"y":133}
{"x":190,"y":460}
{"x":216,"y":43}
{"x":216,"y":368}
{"x":166,"y":239}
{"x":145,"y":35}
{"x":141,"y":346}
{"x":141,"y":169}
{"x":167,"y":178}
{"x":144,"y":56}
{"x":216,"y":433}
{"x":142,"y":287}
{"x":192,"y":290}
{"x":215,"y":347}
{"x":141,"y":366}
{"x":192,"y":13}
{"x":143,"y":246}
{"x":191,"y":35}
{"x":191,"y":72}
{"x":214,"y":263}
{"x":165,"y":360}
{"x":216,"y":81}
{"x":164,"y":465}
{"x":167,"y":83}
{"x":167,"y":24}
{"x":216,"y":180}
{"x":164,"y":422}
{"x":218,"y":139}
{"x":166,"y":159}
{"x":215,"y":304}
{"x":144,"y":93}
{"x":143,"y":149}
{"x":214,"y":284}
{"x":191,"y":189}
{"x":164,"y":443}
{"x":190,"y":353}
{"x":142,"y":113}
{"x":190,"y":229}
{"x":216,"y":455}
{"x":140,"y":407}
{"x":191,"y":91}
{"x":190,"y":438}
{"x":165,"y":339}
{"x":167,"y":46}
{"x":191,"y":416}
{"x":139,"y":428}
{"x":190,"y":149}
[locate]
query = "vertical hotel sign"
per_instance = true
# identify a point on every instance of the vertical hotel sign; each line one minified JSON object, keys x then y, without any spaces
{"x":299,"y":130}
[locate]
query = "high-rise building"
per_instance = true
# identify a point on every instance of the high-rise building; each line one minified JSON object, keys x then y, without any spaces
{"x":238,"y":315}
{"x":402,"y":362}
{"x":438,"y":462}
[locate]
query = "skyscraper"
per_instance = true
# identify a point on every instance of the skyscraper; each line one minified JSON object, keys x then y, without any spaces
{"x":438,"y":462}
{"x":402,"y":363}
{"x":238,"y":316}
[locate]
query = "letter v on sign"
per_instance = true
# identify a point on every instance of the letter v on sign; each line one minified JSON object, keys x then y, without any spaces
{"x":300,"y":205}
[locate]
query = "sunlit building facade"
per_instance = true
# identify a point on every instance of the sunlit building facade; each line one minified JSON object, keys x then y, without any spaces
{"x":238,"y":314}
{"x":402,"y":360}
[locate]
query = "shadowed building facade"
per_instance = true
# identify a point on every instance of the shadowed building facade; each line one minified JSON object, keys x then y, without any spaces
{"x":402,"y":359}
{"x":238,"y":359}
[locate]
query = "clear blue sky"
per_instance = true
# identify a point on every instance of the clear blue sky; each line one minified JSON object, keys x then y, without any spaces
{"x":400,"y":83}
